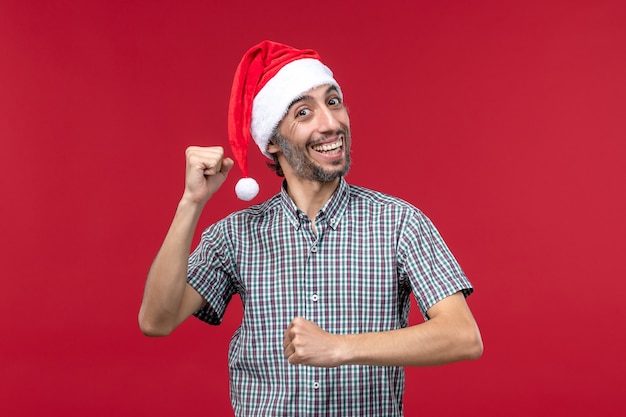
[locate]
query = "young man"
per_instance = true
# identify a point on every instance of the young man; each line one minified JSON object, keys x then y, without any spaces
{"x":324,"y":269}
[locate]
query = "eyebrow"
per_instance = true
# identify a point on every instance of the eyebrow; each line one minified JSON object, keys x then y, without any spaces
{"x":307,"y":97}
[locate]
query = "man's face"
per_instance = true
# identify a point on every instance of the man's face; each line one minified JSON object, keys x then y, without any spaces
{"x":314,"y":136}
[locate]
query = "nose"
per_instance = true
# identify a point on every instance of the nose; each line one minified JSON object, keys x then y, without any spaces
{"x":327,"y":120}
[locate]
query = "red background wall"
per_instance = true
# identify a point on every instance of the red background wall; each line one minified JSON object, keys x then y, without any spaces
{"x":504,"y":121}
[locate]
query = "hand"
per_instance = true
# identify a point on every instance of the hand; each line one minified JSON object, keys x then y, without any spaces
{"x":305,"y":343}
{"x":205,"y":173}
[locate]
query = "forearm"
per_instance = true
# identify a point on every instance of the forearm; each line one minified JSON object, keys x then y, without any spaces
{"x":450,"y":335}
{"x":427,"y":344}
{"x":167,"y":278}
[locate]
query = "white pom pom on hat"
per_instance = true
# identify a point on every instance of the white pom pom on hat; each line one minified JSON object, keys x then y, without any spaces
{"x":247,"y":188}
{"x":269,"y":77}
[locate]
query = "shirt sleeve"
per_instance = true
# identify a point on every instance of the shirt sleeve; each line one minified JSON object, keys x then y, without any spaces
{"x":209,"y":271}
{"x":428,"y":264}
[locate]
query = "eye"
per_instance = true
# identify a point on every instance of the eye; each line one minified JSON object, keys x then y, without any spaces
{"x":334,"y":101}
{"x":302,"y":112}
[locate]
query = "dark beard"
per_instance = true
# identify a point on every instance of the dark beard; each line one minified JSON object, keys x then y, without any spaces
{"x":306,"y":168}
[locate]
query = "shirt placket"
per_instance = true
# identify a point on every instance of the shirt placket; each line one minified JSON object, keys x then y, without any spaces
{"x":311,"y":301}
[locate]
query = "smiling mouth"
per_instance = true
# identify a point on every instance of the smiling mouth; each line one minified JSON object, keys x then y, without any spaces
{"x":329,"y":148}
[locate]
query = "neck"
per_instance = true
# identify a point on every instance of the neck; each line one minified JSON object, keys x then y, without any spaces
{"x":310,"y":196}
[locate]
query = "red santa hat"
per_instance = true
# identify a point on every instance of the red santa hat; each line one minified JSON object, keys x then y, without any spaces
{"x":268,"y":79}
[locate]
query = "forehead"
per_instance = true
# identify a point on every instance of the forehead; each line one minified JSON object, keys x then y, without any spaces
{"x":313,"y":93}
{"x":322,"y":90}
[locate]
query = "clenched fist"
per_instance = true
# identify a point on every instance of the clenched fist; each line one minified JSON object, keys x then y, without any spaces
{"x":306,"y":343}
{"x":205,"y":173}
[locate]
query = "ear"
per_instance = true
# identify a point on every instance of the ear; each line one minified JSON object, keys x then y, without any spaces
{"x":272,"y":148}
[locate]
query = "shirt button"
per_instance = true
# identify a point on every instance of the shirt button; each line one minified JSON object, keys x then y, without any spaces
{"x":316,"y":385}
{"x":333,"y":221}
{"x":314,"y":249}
{"x":314,"y":297}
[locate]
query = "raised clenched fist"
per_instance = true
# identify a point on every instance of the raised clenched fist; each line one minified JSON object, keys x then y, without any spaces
{"x":206,"y":170}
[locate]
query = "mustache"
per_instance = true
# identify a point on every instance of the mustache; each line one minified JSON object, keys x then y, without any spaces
{"x":339,"y":132}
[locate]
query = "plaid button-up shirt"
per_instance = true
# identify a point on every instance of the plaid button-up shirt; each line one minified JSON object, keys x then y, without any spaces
{"x":371,"y":251}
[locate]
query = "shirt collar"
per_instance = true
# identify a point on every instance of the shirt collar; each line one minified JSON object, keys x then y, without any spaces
{"x":331,"y":212}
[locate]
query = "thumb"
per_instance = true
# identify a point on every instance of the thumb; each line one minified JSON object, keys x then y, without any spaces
{"x":227,"y":164}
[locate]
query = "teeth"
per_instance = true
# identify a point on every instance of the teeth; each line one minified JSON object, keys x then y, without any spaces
{"x":329,"y":146}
